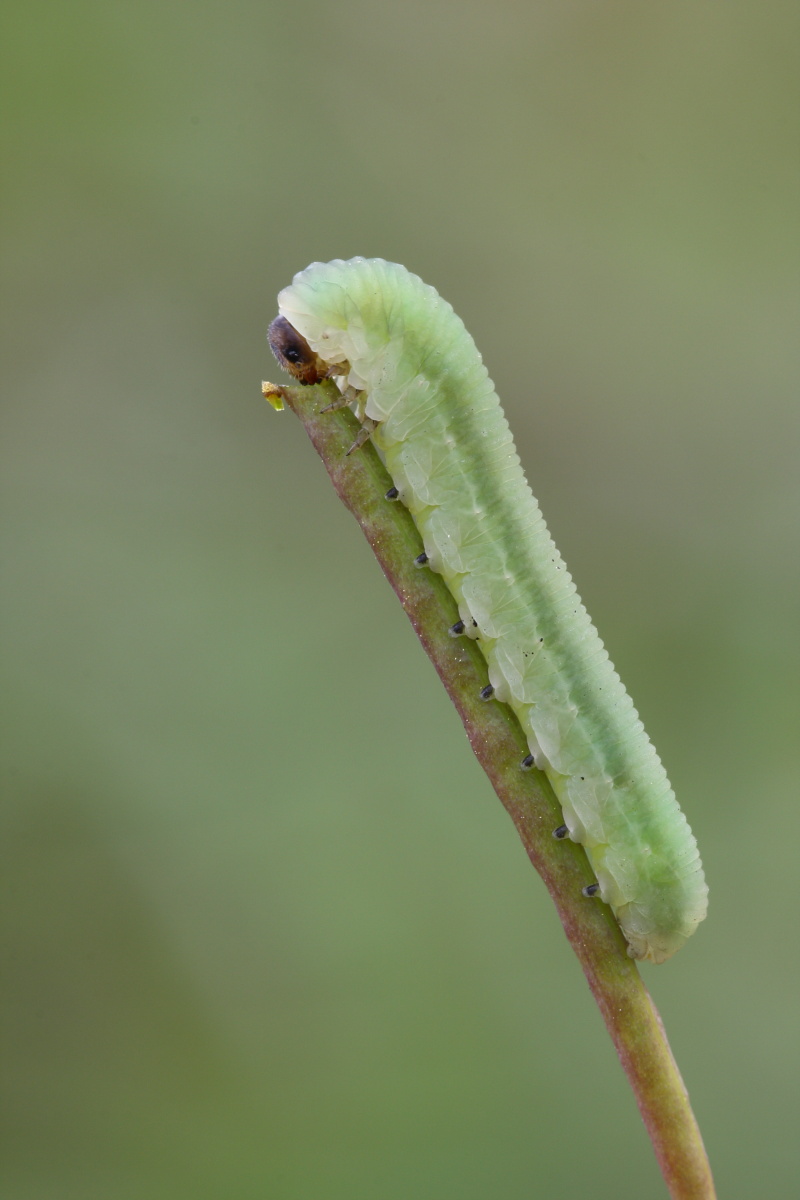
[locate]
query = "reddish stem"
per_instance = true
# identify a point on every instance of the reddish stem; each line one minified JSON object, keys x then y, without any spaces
{"x":499,"y":745}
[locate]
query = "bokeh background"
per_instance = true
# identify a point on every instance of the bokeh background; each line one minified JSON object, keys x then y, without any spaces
{"x":267,"y":932}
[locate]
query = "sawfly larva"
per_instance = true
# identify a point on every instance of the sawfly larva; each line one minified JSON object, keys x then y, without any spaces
{"x":403,"y":359}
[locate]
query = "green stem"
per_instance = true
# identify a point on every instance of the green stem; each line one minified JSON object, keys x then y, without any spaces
{"x":498,"y":742}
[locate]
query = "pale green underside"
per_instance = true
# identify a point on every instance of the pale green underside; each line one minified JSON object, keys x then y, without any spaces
{"x":448,"y":448}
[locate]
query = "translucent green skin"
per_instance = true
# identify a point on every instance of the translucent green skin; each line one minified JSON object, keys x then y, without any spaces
{"x":448,"y":448}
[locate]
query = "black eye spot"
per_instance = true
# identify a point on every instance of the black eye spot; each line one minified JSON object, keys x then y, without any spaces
{"x":294,"y":353}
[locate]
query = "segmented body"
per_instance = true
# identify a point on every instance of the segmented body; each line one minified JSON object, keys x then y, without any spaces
{"x":449,"y":451}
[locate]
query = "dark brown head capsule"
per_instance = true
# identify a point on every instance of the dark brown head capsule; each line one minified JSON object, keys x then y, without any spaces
{"x":294,"y":353}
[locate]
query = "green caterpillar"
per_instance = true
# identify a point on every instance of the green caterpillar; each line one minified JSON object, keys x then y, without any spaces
{"x":404,"y":360}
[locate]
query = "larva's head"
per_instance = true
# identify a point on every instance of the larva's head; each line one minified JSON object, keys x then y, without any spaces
{"x":294,"y":353}
{"x":348,"y":313}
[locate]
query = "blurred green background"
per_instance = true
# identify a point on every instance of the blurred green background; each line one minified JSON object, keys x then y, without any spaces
{"x":266,"y":930}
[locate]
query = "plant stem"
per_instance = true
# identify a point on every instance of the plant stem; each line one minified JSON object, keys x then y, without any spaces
{"x":499,"y":744}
